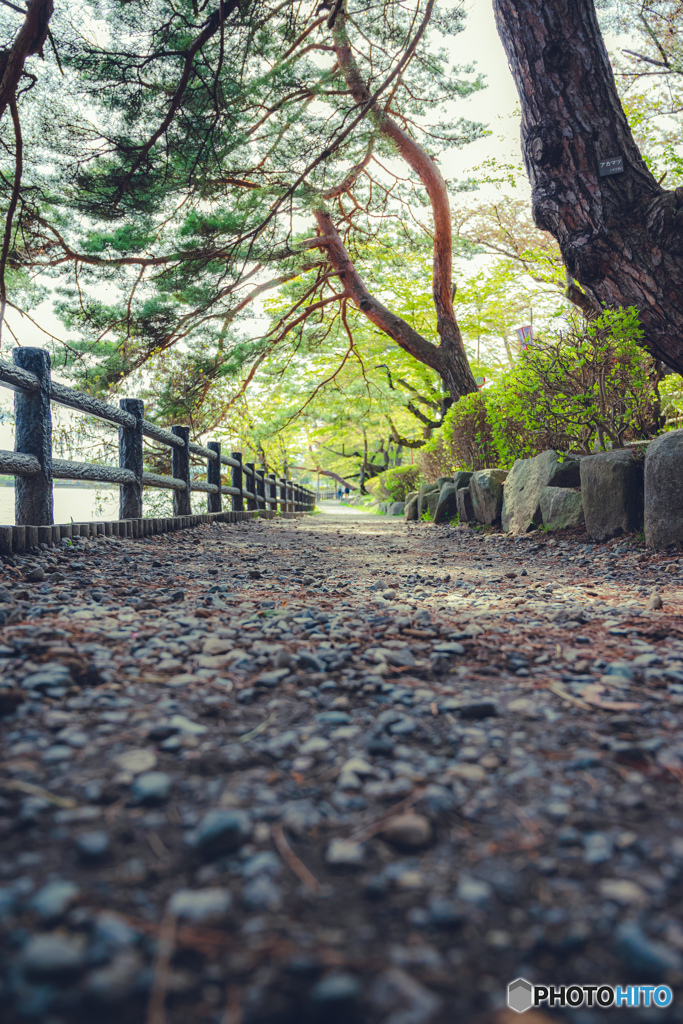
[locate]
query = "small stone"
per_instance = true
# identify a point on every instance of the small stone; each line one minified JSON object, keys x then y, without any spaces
{"x":53,"y":956}
{"x":222,"y":831}
{"x":316,"y":747}
{"x":474,"y":890}
{"x":151,"y":789}
{"x":59,"y":752}
{"x":132,"y":762}
{"x":524,"y":706}
{"x":54,"y":899}
{"x":343,"y":853}
{"x":474,"y":709}
{"x":597,"y":848}
{"x":271,"y":679}
{"x":117,"y":980}
{"x":262,"y":893}
{"x":36,"y":575}
{"x":93,"y":846}
{"x":183,"y":725}
{"x":623,"y":891}
{"x":469,"y":772}
{"x":654,"y":603}
{"x":640,"y":953}
{"x":201,"y":905}
{"x":336,"y":990}
{"x":407,"y":831}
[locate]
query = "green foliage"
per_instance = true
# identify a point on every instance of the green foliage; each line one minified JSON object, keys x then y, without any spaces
{"x":592,"y":386}
{"x":394,"y":484}
{"x":465,"y":441}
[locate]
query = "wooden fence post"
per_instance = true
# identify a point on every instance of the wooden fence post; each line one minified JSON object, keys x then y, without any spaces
{"x":272,"y":491}
{"x":182,"y":501}
{"x":213,"y":475}
{"x":238,"y":483}
{"x":33,"y":436}
{"x":262,"y":489}
{"x":130,"y":457}
{"x":252,"y":503}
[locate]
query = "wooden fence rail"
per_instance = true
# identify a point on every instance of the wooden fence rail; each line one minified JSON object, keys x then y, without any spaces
{"x":34,"y":468}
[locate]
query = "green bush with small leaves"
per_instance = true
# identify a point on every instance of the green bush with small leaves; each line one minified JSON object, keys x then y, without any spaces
{"x":394,"y":484}
{"x":591,"y":388}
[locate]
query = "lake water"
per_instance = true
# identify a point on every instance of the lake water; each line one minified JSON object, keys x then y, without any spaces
{"x":82,"y":504}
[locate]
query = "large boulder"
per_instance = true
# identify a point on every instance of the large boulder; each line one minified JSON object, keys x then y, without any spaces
{"x":410,"y":510}
{"x":396,"y":508}
{"x":446,"y":507}
{"x":526,"y":480}
{"x":612,"y":492}
{"x":423,"y":494}
{"x":463,"y":504}
{"x":664,"y":490}
{"x":486,"y":490}
{"x":561,"y":507}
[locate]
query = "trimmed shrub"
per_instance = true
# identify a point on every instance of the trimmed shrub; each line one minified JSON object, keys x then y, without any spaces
{"x":394,"y":484}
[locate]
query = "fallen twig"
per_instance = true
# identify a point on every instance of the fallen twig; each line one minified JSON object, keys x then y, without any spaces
{"x":296,"y":865}
{"x":156,"y":1013}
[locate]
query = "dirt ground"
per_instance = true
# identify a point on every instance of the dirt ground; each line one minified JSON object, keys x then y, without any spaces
{"x":339,"y":769}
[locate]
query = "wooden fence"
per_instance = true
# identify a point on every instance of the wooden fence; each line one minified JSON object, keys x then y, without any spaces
{"x":34,"y":468}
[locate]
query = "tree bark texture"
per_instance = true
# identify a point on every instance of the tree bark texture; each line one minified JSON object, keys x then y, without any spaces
{"x":620,"y":235}
{"x":448,"y":358}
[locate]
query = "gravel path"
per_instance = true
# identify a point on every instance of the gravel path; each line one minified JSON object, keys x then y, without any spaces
{"x":339,"y":769}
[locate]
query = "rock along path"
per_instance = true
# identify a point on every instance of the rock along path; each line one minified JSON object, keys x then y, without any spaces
{"x":340,"y":769}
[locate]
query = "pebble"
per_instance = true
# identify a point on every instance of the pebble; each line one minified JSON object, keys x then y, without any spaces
{"x":345,"y":854}
{"x":201,"y":905}
{"x":151,"y":789}
{"x":54,"y":899}
{"x":407,"y":831}
{"x":53,"y":956}
{"x":93,"y":846}
{"x":293,"y":729}
{"x":222,"y":831}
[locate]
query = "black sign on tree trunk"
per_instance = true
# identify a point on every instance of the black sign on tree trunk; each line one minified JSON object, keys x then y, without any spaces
{"x":613,"y":165}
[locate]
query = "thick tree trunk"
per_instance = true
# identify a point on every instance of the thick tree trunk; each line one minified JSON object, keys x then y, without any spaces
{"x":620,"y":235}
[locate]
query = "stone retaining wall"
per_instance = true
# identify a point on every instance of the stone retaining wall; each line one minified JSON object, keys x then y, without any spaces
{"x":612,"y":492}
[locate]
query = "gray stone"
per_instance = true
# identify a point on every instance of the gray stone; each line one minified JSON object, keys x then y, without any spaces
{"x":410,"y":509}
{"x":117,"y":980}
{"x":526,"y":481}
{"x":201,"y":905}
{"x":336,"y":990}
{"x":486,"y":490}
{"x":151,"y":789}
{"x":54,"y":899}
{"x":400,"y":999}
{"x":640,"y":953}
{"x":396,"y":508}
{"x":612,"y":492}
{"x":262,"y":893}
{"x":427,"y":497}
{"x":464,"y":506}
{"x":561,"y":507}
{"x":407,"y":831}
{"x":53,"y":956}
{"x":222,"y":831}
{"x":446,"y":507}
{"x":47,"y":677}
{"x":93,"y":846}
{"x":664,"y":490}
{"x":344,"y":853}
